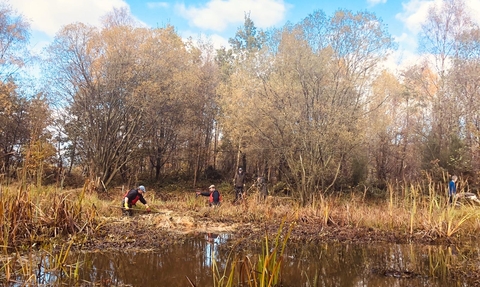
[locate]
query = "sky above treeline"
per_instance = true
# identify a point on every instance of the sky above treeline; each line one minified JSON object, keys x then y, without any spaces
{"x":219,"y":19}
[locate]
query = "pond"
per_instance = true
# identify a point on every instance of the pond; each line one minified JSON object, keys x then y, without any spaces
{"x":334,"y":264}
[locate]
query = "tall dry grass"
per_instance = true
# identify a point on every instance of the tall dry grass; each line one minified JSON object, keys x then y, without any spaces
{"x":34,"y":218}
{"x":31,"y":215}
{"x":413,"y":210}
{"x":410,"y":210}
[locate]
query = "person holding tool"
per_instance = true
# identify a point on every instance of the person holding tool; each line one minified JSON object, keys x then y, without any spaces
{"x":131,"y":198}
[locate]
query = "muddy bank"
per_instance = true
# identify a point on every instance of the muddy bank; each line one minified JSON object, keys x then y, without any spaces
{"x":157,"y":230}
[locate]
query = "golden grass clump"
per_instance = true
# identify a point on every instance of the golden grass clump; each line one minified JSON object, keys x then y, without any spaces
{"x":32,"y":215}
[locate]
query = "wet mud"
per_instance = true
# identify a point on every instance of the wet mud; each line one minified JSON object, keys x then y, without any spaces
{"x":157,"y":230}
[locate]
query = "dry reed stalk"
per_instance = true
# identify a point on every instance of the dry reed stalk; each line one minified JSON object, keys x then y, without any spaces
{"x":241,"y":270}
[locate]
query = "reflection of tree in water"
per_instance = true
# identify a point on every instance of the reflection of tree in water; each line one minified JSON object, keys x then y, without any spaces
{"x":211,"y":249}
{"x":341,"y":265}
{"x":327,"y":265}
{"x":359,"y":265}
{"x":169,"y":266}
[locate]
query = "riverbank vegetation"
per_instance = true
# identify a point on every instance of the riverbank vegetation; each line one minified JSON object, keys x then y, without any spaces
{"x":58,"y":221}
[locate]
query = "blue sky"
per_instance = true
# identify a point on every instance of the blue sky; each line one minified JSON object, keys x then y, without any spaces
{"x":219,"y":19}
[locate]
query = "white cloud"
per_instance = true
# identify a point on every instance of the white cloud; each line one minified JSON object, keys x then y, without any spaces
{"x":49,"y":16}
{"x":414,"y":14}
{"x":399,"y":60}
{"x":474,"y":7}
{"x":406,"y":42}
{"x":217,"y":15}
{"x":375,"y":2}
{"x":154,"y":5}
{"x":219,"y":41}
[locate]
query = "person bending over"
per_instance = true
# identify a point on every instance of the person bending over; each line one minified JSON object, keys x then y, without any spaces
{"x":131,"y":198}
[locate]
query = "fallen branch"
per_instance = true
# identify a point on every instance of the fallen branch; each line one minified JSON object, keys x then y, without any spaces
{"x":138,"y":209}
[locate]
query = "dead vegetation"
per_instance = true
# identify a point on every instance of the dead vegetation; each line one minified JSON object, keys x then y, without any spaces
{"x":82,"y":219}
{"x":34,"y":216}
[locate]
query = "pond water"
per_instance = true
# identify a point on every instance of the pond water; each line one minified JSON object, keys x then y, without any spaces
{"x":341,"y":265}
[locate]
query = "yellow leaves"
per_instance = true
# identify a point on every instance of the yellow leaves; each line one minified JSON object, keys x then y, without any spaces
{"x":421,"y":84}
{"x":386,"y":85}
{"x":37,"y":153}
{"x":36,"y":157}
{"x":6,"y":102}
{"x":386,"y":99}
{"x":430,"y":81}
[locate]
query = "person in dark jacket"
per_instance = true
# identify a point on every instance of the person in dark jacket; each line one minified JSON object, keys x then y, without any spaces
{"x":239,"y":183}
{"x":131,"y":198}
{"x":261,"y":185}
{"x":214,"y":196}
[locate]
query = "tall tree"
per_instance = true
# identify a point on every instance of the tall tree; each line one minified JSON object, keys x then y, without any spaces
{"x":14,"y":38}
{"x":464,"y":78}
{"x":14,"y":125}
{"x":447,"y":24}
{"x":306,"y":100}
{"x":95,"y":73}
{"x":246,"y":46}
{"x":14,"y":131}
{"x":247,"y":39}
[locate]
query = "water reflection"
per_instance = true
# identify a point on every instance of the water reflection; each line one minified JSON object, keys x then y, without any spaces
{"x":380,"y":265}
{"x":211,"y":248}
{"x":338,"y":265}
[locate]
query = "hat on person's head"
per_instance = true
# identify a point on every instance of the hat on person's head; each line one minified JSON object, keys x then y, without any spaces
{"x":211,"y":186}
{"x":240,"y":169}
{"x":142,"y":188}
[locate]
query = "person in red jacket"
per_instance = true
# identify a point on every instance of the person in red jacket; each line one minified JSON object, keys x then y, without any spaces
{"x":214,"y":195}
{"x":131,"y":198}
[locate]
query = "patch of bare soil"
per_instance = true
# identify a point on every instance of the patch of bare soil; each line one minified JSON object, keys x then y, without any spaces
{"x":154,"y":230}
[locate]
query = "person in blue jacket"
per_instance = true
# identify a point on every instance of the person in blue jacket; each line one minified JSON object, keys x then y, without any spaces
{"x":452,"y":189}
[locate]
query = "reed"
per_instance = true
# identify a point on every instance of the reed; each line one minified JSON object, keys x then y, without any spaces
{"x":34,"y":215}
{"x":440,"y":262}
{"x":411,"y":210}
{"x":262,"y":272}
{"x":41,"y":217}
{"x":40,"y":267}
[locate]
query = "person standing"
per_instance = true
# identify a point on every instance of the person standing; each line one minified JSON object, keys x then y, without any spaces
{"x":239,"y":183}
{"x":214,"y":195}
{"x":261,"y":185}
{"x":131,"y":198}
{"x":452,"y":189}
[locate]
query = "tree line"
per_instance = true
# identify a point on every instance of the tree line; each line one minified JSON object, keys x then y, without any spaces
{"x":309,"y":105}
